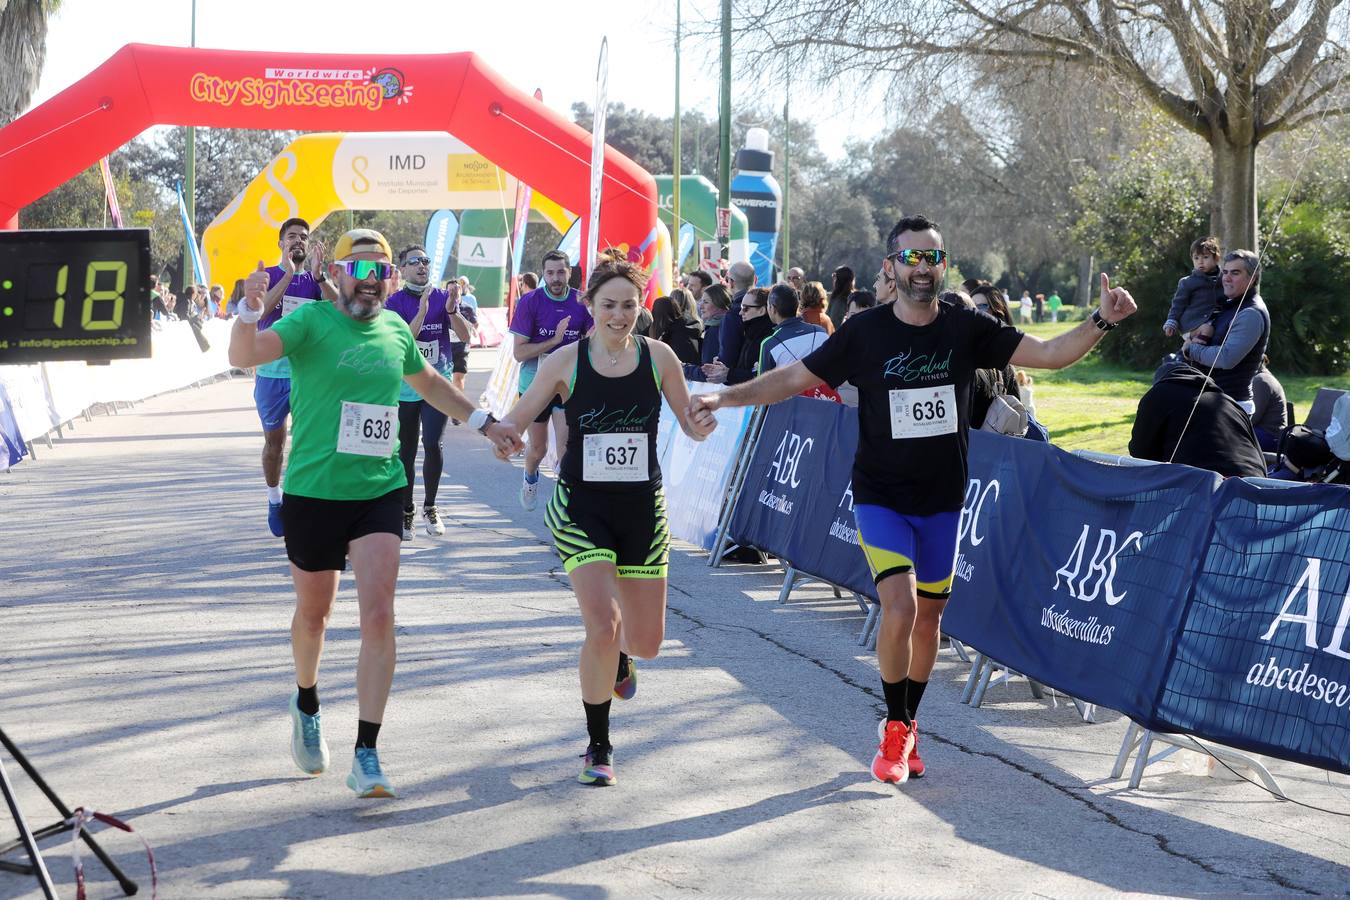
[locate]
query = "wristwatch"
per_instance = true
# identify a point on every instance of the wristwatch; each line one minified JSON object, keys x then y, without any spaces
{"x":480,"y":419}
{"x":1101,"y":323}
{"x":321,"y":277}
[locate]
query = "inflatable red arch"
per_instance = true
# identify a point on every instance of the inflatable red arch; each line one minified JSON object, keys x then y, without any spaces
{"x":143,"y":85}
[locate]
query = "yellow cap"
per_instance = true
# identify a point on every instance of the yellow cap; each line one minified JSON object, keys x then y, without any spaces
{"x":361,"y":240}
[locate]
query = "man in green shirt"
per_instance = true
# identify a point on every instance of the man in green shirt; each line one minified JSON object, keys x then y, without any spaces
{"x":344,"y":483}
{"x":1054,"y":304}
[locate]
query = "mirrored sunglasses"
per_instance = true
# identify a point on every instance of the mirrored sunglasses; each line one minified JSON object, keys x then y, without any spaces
{"x":912,"y":257}
{"x":361,"y":269}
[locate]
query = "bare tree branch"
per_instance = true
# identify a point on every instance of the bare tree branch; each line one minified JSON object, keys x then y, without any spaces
{"x":1300,"y":121}
{"x":1311,"y":38}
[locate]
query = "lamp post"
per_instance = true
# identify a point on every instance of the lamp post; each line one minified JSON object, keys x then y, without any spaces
{"x":190,"y":181}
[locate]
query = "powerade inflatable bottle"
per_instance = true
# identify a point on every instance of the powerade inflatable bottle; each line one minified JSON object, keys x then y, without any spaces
{"x":756,"y":192}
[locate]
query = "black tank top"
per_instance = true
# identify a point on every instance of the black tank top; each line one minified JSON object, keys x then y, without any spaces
{"x":619,"y":417}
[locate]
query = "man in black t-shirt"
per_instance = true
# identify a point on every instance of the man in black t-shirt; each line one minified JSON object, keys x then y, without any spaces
{"x":913,"y":362}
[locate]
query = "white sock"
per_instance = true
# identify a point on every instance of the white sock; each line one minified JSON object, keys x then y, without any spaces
{"x":274,"y":494}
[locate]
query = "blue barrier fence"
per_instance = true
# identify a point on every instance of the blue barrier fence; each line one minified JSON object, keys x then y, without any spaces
{"x":1189,"y":603}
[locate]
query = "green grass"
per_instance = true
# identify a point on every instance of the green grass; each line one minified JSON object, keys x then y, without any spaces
{"x":1091,"y":404}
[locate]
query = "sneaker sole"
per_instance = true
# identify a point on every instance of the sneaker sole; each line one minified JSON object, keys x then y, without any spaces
{"x":875,"y":777}
{"x":597,"y":780}
{"x":378,"y":791}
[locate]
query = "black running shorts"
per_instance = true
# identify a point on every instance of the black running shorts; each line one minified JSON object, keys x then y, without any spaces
{"x":318,"y":531}
{"x":459,"y":357}
{"x":627,"y":529}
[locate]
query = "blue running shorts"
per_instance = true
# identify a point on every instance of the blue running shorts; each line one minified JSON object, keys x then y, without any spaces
{"x":272,"y":396}
{"x":895,"y":543}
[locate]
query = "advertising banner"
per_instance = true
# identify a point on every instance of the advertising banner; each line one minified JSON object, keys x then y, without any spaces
{"x":442,"y":228}
{"x":1075,"y":573}
{"x":1262,"y":661}
{"x":797,"y":500}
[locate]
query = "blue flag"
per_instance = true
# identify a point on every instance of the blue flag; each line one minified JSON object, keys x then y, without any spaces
{"x":197,"y":262}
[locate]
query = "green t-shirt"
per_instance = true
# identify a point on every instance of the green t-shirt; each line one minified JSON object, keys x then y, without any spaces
{"x":1054,"y":302}
{"x":335,"y":360}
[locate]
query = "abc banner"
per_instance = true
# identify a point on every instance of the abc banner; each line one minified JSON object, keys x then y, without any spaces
{"x":797,"y":500}
{"x":1263,"y":658}
{"x":1074,"y":573}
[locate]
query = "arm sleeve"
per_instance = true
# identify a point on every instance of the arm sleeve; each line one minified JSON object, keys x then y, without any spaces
{"x":412,"y":357}
{"x":833,"y":361}
{"x":992,"y":342}
{"x":1179,"y":301}
{"x":767,"y":360}
{"x":1260,"y":398}
{"x":1228,"y":352}
{"x":730,"y":338}
{"x":522,"y":320}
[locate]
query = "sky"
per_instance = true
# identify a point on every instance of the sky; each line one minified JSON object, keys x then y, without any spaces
{"x":527,"y":41}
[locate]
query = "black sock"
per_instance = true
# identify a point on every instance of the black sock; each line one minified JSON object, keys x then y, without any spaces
{"x":366,"y":733}
{"x":597,"y":722}
{"x":623,"y":666}
{"x":897,"y":709}
{"x":915,"y":693}
{"x":309,"y":700}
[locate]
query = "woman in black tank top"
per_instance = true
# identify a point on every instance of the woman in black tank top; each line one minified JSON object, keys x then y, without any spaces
{"x":607,"y":512}
{"x":611,"y":423}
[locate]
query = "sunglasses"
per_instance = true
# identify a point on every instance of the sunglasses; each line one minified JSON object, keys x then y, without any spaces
{"x":912,"y":257}
{"x":417,"y":260}
{"x":361,"y":269}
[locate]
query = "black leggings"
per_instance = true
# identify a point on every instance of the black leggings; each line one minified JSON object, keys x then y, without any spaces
{"x":415,"y":415}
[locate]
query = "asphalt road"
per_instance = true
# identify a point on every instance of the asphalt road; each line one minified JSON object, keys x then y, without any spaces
{"x":145,"y":668}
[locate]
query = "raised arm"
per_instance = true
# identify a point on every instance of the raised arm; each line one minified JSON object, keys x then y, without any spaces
{"x":524,"y":350}
{"x":1065,"y":349}
{"x":248,"y":346}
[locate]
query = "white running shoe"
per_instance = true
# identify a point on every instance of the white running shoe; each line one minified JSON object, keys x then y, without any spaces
{"x":529,"y":493}
{"x":433,"y":517}
{"x":408,"y":516}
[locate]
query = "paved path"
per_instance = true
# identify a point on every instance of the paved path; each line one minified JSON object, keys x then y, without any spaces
{"x":144,"y":667}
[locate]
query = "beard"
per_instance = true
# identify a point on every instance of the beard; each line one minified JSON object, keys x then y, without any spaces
{"x":361,"y":308}
{"x":298,"y":253}
{"x":922,"y":294}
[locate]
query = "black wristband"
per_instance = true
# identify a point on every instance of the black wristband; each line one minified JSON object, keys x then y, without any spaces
{"x":1101,"y":323}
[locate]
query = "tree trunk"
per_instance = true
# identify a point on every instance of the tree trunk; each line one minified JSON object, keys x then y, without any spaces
{"x":1232,"y":203}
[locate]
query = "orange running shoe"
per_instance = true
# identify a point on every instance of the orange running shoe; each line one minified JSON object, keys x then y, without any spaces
{"x":915,"y":764}
{"x":892,"y":760}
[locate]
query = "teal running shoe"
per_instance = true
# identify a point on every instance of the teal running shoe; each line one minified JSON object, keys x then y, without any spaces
{"x":308,"y":748}
{"x":366,"y":778}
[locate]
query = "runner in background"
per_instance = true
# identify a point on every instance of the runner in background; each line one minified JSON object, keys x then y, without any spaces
{"x":290,"y":285}
{"x":435,"y":319}
{"x":549,"y":317}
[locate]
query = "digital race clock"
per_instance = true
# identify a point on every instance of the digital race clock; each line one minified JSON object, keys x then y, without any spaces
{"x":74,"y":294}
